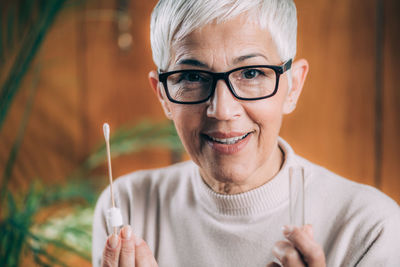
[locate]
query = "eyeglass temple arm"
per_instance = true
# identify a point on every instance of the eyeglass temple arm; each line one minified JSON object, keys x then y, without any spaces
{"x":287,"y":65}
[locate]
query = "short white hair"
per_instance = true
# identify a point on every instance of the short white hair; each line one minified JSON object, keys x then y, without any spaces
{"x":173,"y":20}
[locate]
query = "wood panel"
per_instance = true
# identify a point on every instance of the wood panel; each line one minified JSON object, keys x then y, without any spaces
{"x":390,"y":178}
{"x":84,"y":80}
{"x":334,"y":122}
{"x":117,"y":86}
{"x":51,"y":144}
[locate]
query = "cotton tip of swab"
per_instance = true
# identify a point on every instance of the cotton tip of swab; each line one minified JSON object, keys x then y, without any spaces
{"x":106,"y":130}
{"x":114,"y":217}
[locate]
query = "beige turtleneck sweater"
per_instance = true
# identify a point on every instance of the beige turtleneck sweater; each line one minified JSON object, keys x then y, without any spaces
{"x":185,"y":223}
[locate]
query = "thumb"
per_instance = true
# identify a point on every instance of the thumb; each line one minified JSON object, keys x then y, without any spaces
{"x":144,"y":256}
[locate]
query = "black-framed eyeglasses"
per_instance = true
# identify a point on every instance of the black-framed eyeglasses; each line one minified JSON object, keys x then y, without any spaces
{"x":193,"y":86}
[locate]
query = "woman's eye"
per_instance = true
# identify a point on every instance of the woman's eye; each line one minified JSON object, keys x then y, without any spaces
{"x":250,"y":74}
{"x":191,"y":77}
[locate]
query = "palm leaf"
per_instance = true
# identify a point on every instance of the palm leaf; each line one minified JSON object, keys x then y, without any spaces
{"x":28,"y":50}
{"x":50,"y":260}
{"x":7,"y":173}
{"x":144,"y":135}
{"x":10,"y":25}
{"x":2,"y":60}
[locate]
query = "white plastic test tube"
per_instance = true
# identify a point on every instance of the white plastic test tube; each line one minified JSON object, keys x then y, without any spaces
{"x":296,"y":196}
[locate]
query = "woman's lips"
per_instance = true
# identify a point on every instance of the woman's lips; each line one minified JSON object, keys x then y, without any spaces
{"x":227,"y":143}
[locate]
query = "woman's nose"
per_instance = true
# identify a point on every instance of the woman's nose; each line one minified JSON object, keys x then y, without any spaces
{"x":223,"y":105}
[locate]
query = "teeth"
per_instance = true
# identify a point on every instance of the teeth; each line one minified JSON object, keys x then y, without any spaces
{"x":228,"y":141}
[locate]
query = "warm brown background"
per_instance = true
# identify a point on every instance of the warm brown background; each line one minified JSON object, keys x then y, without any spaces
{"x":347,"y":119}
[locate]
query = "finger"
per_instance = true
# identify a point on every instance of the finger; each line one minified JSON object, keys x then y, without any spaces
{"x":127,"y":254}
{"x":111,"y":252}
{"x":144,"y":256}
{"x":302,"y":239}
{"x":309,"y":230}
{"x":287,"y":254}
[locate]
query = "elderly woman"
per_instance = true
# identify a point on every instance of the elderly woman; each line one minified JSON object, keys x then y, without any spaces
{"x":226,"y":77}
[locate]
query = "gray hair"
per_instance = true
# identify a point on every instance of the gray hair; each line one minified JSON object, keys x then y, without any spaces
{"x":173,"y":20}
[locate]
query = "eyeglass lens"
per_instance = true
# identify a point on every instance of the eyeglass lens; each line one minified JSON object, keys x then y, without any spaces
{"x":192,"y":85}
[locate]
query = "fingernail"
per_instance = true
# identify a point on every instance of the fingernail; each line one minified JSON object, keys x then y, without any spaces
{"x":287,"y":230}
{"x":113,"y":241}
{"x":126,"y":232}
{"x":138,"y":241}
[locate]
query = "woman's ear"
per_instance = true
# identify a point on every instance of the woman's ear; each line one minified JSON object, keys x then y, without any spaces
{"x":299,"y":73}
{"x":155,"y":84}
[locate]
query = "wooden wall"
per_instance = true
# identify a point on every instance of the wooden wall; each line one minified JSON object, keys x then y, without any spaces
{"x":389,"y":173}
{"x":347,"y":119}
{"x":334,"y":122}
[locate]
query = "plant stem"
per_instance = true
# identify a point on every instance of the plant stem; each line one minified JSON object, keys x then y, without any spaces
{"x":18,"y":140}
{"x":24,"y":59}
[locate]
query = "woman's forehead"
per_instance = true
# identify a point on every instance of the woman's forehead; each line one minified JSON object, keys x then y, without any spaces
{"x":233,"y":41}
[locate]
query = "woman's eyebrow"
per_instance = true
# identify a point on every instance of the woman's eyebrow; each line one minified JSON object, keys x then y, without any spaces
{"x":192,"y":62}
{"x":244,"y":57}
{"x":197,"y":63}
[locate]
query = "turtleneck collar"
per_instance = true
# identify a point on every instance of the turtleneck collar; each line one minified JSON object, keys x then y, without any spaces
{"x":259,"y":200}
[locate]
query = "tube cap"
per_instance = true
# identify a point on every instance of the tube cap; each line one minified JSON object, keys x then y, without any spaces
{"x":114,"y":217}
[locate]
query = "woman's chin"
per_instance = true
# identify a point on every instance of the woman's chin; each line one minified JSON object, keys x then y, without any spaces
{"x":231,"y":179}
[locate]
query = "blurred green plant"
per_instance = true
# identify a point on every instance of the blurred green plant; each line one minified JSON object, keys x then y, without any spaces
{"x":129,"y":139}
{"x":22,"y":233}
{"x":46,"y":222}
{"x":24,"y":25}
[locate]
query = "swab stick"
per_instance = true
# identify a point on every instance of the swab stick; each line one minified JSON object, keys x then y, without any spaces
{"x":106,"y":130}
{"x":114,"y":216}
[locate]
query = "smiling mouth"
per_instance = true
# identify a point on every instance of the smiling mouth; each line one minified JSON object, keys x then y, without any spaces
{"x":227,"y":141}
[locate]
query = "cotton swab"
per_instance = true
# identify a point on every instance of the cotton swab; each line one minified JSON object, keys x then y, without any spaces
{"x":106,"y":130}
{"x":114,"y":216}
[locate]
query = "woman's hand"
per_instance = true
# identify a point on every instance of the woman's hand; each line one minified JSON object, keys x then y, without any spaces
{"x":127,"y":250}
{"x":300,"y":248}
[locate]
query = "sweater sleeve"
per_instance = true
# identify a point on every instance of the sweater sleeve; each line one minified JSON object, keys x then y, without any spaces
{"x":384,"y":248}
{"x":100,"y":231}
